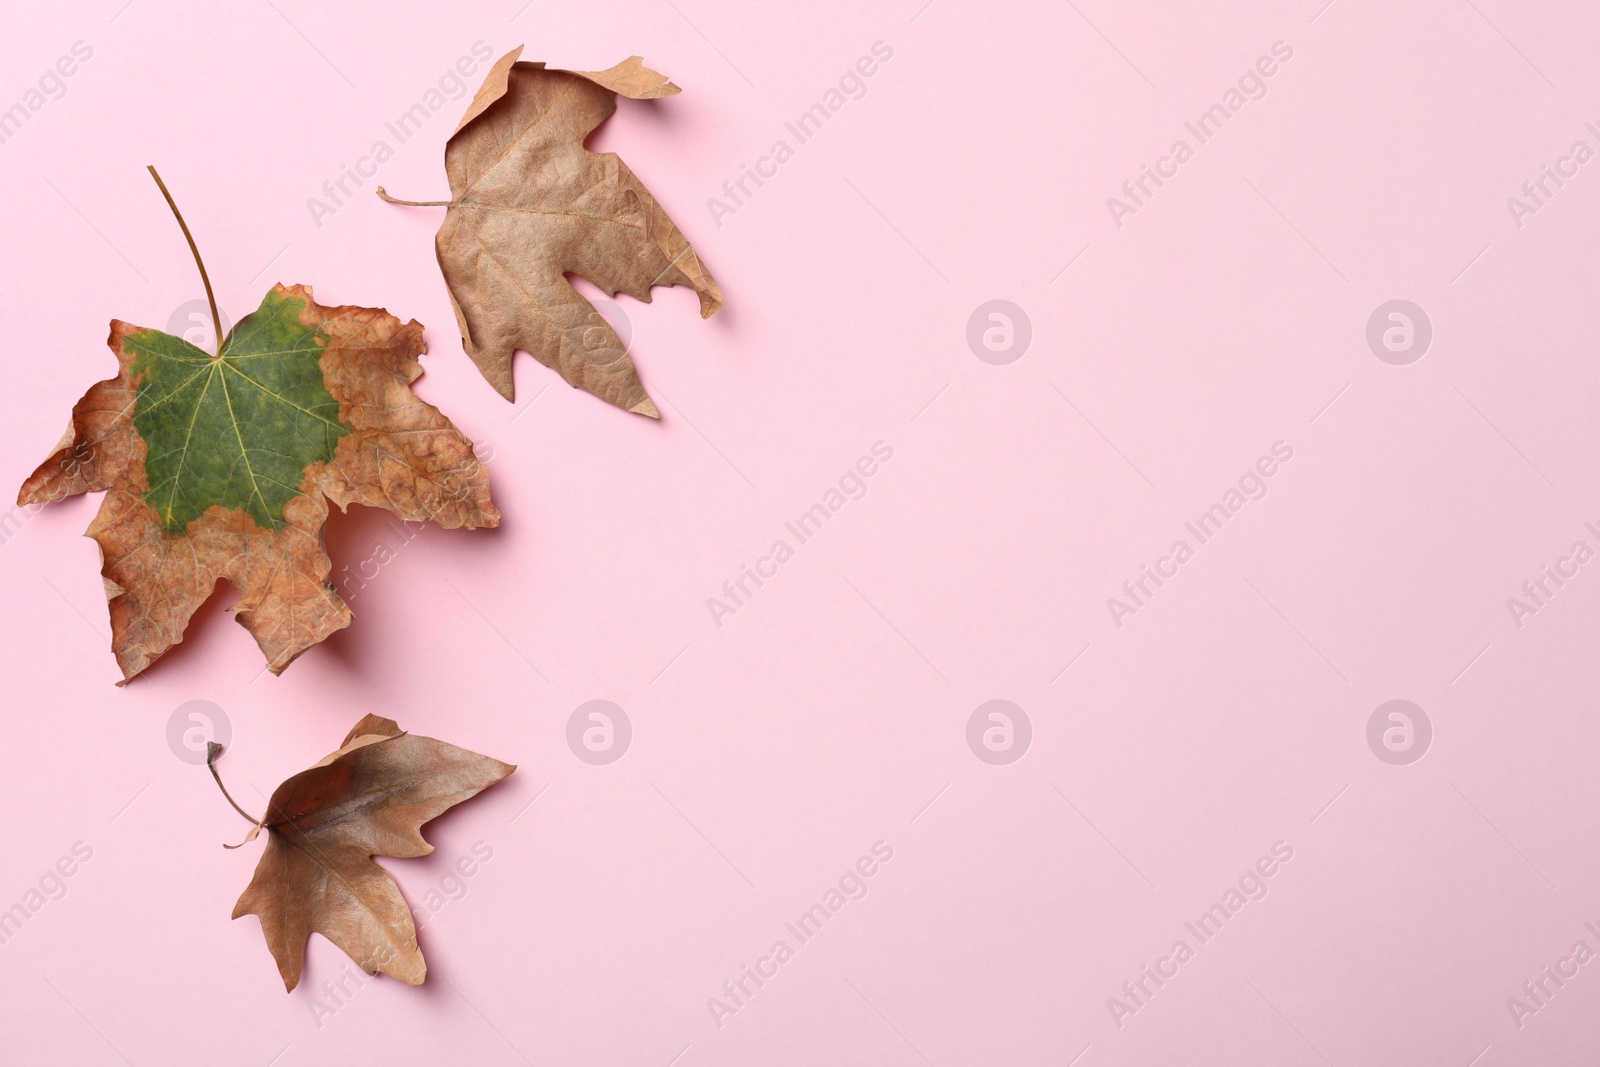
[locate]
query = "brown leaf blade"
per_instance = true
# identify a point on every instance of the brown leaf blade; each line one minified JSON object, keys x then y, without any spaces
{"x":324,"y":825}
{"x":394,"y":451}
{"x":530,"y":205}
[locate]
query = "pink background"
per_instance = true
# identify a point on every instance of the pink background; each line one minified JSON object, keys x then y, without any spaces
{"x":830,"y":711}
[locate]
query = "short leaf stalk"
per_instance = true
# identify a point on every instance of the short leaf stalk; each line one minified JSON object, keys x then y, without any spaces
{"x":213,"y":753}
{"x":383,"y":195}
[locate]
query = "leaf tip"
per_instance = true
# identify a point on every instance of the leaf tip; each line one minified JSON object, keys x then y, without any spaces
{"x":647,"y":408}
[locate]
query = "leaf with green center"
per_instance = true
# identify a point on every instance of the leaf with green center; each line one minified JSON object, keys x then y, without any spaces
{"x":238,"y":430}
{"x":224,"y":467}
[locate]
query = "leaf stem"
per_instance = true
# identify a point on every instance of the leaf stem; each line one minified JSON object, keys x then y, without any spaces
{"x":216,"y":320}
{"x":383,"y":195}
{"x":213,"y":752}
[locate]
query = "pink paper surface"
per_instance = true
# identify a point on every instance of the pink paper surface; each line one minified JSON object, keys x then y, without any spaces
{"x":1219,"y":731}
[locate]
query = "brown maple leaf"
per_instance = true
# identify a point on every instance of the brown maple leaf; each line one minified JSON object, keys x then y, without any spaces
{"x":530,"y":204}
{"x":324,"y":825}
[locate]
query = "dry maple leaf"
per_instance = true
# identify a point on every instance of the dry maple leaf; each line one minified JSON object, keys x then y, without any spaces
{"x":530,"y":204}
{"x":324,"y":825}
{"x":223,"y":467}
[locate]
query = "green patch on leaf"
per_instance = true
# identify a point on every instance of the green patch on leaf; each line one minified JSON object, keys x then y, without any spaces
{"x":237,"y":431}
